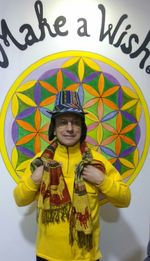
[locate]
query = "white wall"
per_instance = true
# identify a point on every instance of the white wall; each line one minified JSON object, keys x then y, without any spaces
{"x":125,"y":232}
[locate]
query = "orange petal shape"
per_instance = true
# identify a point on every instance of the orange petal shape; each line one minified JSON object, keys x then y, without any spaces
{"x":108,"y":140}
{"x":128,"y":140}
{"x":128,"y":128}
{"x":48,"y":87}
{"x":119,"y":122}
{"x":25,"y":139}
{"x":48,"y":101}
{"x":37,"y":145}
{"x":44,"y":137}
{"x":101,"y":84}
{"x":72,"y":87}
{"x":110,"y":91}
{"x":44,"y":128}
{"x":118,"y":145}
{"x":110,"y":104}
{"x":91,"y":90}
{"x":37,"y":120}
{"x":59,"y":80}
{"x":25,"y":125}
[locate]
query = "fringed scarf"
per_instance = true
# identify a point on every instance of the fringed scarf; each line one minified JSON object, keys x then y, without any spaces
{"x":54,"y":203}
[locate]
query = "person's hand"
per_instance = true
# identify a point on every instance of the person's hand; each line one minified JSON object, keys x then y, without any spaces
{"x":93,"y":174}
{"x":37,"y":175}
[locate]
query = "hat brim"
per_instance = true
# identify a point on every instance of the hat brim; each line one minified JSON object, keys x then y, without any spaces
{"x":58,"y":113}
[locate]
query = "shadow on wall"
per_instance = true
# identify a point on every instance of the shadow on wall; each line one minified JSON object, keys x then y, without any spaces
{"x":28,"y":224}
{"x":118,"y":240}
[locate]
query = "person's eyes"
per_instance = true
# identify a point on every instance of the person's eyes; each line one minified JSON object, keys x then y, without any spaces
{"x":62,"y":122}
{"x":76,"y":122}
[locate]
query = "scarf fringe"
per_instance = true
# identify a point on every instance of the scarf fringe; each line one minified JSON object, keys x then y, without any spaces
{"x":83,"y":240}
{"x":54,"y":214}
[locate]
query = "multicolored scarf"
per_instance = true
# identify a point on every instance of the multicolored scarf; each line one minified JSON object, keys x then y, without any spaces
{"x":54,"y":203}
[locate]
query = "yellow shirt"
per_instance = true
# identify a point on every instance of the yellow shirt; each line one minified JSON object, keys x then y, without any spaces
{"x":53,"y":239}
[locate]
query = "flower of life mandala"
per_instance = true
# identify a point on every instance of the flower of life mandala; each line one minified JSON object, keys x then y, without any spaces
{"x":117,"y":115}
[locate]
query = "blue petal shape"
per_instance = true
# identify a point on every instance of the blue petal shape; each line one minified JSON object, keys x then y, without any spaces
{"x":109,"y":116}
{"x":108,"y":152}
{"x":81,"y":94}
{"x":45,"y":111}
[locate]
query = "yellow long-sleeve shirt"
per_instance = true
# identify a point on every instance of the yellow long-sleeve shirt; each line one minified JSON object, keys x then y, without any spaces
{"x":52,"y":239}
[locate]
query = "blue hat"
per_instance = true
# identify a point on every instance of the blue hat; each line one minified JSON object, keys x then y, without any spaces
{"x":67,"y":101}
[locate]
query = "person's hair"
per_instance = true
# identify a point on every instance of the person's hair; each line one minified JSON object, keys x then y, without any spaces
{"x":51,"y":129}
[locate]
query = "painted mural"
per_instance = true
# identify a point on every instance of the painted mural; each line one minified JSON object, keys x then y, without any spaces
{"x":117,"y":115}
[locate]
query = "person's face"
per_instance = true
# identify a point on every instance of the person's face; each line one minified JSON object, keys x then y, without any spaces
{"x":68,"y":129}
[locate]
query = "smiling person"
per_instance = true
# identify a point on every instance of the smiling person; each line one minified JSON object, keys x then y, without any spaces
{"x":66,"y":180}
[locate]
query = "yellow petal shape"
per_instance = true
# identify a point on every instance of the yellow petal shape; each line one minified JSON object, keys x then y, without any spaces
{"x":15,"y":106}
{"x":70,"y":62}
{"x":138,"y":111}
{"x":136,"y":157}
{"x":26,"y":99}
{"x":92,"y":64}
{"x":14,"y":157}
{"x":99,"y":134}
{"x":129,"y":105}
{"x":23,"y":165}
{"x":26,"y":86}
{"x":129,"y":92}
{"x":127,"y":173}
{"x":81,"y":69}
{"x":126,"y":163}
{"x":91,"y":116}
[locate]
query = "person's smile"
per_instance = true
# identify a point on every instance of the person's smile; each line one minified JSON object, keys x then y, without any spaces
{"x":68,"y":129}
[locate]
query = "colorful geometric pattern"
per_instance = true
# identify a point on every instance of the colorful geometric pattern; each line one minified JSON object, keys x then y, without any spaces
{"x":117,"y":116}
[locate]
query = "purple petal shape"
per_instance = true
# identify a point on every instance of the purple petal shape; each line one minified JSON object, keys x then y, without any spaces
{"x":127,"y":152}
{"x":120,"y":100}
{"x":25,"y":113}
{"x":108,"y":152}
{"x":137,"y":134}
{"x":37,"y":94}
{"x":90,"y":77}
{"x":117,"y":165}
{"x":26,"y":151}
{"x":111,"y":78}
{"x":14,"y":132}
{"x":48,"y":74}
{"x":128,"y":116}
{"x":71,"y":75}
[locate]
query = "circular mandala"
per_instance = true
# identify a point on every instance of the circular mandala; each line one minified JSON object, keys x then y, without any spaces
{"x":117,"y":116}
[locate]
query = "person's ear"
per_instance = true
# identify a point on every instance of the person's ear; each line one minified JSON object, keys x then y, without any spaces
{"x":54,"y":132}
